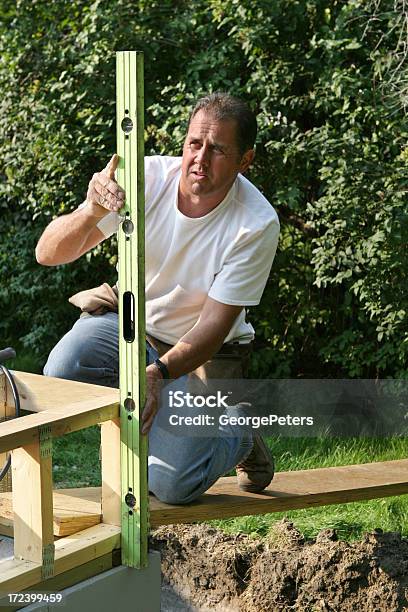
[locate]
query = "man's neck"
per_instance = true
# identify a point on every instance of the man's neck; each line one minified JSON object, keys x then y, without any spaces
{"x":195,"y":206}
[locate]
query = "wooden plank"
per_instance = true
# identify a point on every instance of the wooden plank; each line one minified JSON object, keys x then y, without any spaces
{"x":81,"y":572}
{"x":69,"y":520}
{"x":39,"y":393}
{"x":290,"y":491}
{"x":70,"y":552}
{"x":74,"y":416}
{"x":32,"y":503}
{"x":17,"y":575}
{"x":89,"y":496}
{"x":71,"y":577}
{"x":110,"y":468}
{"x":85,"y":545}
{"x":73,"y":509}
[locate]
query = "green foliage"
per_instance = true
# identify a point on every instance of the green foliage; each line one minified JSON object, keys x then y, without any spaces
{"x":331,"y":157}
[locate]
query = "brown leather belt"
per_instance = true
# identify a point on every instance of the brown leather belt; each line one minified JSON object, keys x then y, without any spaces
{"x":161,"y":347}
{"x":231,"y":361}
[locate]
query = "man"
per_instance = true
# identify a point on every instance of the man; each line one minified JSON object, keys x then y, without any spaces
{"x":210,"y":241}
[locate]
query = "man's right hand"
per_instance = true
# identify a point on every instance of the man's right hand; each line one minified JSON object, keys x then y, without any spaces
{"x":104,"y":194}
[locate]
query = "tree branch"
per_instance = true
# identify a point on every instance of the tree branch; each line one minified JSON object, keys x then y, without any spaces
{"x":293,"y":219}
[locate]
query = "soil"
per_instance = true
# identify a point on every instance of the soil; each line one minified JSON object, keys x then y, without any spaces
{"x":212,"y":570}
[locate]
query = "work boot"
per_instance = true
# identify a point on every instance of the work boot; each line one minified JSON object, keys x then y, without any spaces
{"x":256,"y":472}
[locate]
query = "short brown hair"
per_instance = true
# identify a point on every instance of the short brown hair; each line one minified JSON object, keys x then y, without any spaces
{"x":225,"y":107}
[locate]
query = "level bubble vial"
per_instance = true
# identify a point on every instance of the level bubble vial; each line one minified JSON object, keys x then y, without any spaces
{"x":128,"y":227}
{"x":127,"y":125}
{"x":129,"y":404}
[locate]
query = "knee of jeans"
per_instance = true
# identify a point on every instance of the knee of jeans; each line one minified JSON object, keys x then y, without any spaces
{"x":64,"y":361}
{"x":169,"y":487}
{"x":68,"y":368}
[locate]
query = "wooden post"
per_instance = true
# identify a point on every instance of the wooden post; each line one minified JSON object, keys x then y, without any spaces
{"x":132,"y":345}
{"x":110,"y":467}
{"x":32,"y":502}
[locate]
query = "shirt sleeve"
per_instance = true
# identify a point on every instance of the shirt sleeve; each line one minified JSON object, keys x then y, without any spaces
{"x":243,"y":276}
{"x":109,"y":224}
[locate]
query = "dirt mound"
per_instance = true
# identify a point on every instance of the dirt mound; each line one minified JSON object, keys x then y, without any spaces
{"x":217,"y":571}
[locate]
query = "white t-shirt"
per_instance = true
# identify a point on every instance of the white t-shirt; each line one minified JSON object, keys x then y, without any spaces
{"x":227,"y":254}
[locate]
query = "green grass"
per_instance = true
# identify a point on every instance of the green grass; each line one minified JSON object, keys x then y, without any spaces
{"x":76,"y":459}
{"x":352,"y":520}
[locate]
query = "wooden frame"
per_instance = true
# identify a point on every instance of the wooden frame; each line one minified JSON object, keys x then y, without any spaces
{"x":36,"y":556}
{"x":39,"y":560}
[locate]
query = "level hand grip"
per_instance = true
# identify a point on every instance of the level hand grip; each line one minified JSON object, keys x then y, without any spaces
{"x":7,"y":353}
{"x":129,"y":316}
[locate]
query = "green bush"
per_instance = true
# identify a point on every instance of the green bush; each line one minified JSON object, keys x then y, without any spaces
{"x":331,"y":157}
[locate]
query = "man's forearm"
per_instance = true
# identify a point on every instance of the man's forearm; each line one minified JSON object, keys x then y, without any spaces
{"x":191,"y":351}
{"x":70,"y":236}
{"x":65,"y":238}
{"x":204,"y":340}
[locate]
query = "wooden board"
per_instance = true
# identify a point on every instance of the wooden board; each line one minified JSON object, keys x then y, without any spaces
{"x":32,"y":503}
{"x":74,"y":510}
{"x":110,"y":471}
{"x":288,"y":491}
{"x":38,"y":393}
{"x":70,"y":552}
{"x":62,"y":420}
{"x":69,"y":578}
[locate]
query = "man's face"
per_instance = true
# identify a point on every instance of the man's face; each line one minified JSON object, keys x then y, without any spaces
{"x":211,"y":158}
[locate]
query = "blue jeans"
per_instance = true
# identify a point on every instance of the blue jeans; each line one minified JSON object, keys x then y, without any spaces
{"x":180,"y":469}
